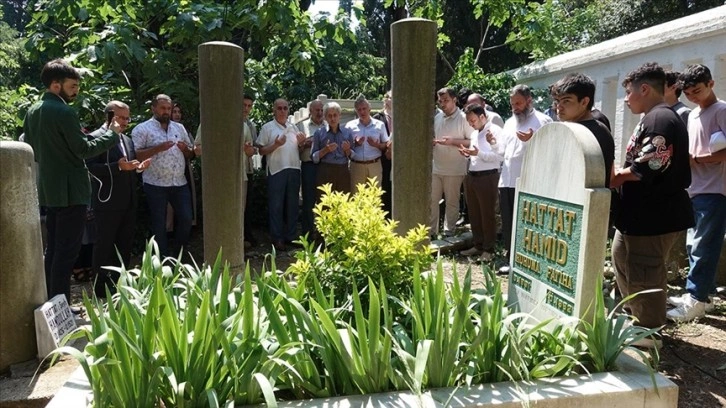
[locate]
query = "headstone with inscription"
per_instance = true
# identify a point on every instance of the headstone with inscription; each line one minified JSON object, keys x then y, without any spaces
{"x":560,"y":223}
{"x":53,"y":321}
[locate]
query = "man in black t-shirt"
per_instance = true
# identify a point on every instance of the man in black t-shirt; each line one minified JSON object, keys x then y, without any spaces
{"x":654,"y":202}
{"x":574,"y":96}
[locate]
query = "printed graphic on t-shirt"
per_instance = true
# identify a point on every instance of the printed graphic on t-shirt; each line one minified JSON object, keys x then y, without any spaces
{"x":655,"y":153}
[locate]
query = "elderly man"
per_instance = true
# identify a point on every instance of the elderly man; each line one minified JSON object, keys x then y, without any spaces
{"x":52,"y":128}
{"x":167,"y":143}
{"x":309,"y":170}
{"x":492,"y":117}
{"x":451,"y":131}
{"x":517,"y":131}
{"x":370,"y":140}
{"x":115,"y":199}
{"x":280,"y":141}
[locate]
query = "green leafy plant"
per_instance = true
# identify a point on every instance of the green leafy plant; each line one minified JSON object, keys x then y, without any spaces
{"x":359,"y":243}
{"x":608,"y":334}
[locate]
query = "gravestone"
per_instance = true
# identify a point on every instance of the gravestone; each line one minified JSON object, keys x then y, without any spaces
{"x":22,"y":277}
{"x":221,"y":79}
{"x":53,"y":321}
{"x":560,"y":223}
{"x":413,"y":63}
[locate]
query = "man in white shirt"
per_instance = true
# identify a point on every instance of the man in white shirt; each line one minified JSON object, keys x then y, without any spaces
{"x":371,"y":139}
{"x":492,"y":117}
{"x":481,"y":181}
{"x":517,"y":131}
{"x":281,"y":142}
{"x":168,"y":144}
{"x":706,"y":128}
{"x":451,"y":131}
{"x":308,"y":168}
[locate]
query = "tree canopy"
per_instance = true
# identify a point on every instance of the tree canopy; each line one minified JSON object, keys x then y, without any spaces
{"x":133,"y":49}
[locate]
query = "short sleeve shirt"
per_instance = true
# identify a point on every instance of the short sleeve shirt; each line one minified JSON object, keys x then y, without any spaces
{"x":658,"y":154}
{"x":447,"y":159}
{"x":703,"y":124}
{"x":374,"y":129}
{"x":167,"y":167}
{"x":286,"y":156}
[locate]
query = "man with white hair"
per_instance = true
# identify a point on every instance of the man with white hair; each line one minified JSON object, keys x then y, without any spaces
{"x":370,"y":141}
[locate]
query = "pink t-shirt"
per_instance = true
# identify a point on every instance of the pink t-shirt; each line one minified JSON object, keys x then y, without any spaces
{"x":706,"y":178}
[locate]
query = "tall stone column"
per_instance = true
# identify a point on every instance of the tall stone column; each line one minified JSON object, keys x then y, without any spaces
{"x":413,"y":69}
{"x":22,"y":276}
{"x":221,"y":90}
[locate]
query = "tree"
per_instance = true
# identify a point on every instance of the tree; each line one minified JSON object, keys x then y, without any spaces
{"x":133,"y":49}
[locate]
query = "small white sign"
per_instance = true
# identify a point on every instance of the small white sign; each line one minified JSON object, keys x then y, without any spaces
{"x":53,"y":321}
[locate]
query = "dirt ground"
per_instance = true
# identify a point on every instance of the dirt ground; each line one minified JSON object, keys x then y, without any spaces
{"x":693,"y":355}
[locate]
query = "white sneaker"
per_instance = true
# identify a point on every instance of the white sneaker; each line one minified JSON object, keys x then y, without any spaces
{"x":678,"y":301}
{"x":471,"y":251}
{"x":485,"y":257}
{"x":689,"y":310}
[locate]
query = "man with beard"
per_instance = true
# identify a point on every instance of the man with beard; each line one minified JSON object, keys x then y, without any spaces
{"x":54,"y":132}
{"x":114,"y":200}
{"x":517,"y":131}
{"x":167,"y":143}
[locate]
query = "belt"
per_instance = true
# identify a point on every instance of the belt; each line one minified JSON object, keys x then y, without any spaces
{"x":366,"y":161}
{"x":483,"y":172}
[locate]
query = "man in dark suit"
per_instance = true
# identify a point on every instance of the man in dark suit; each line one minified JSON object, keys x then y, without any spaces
{"x":114,"y":199}
{"x":53,"y":130}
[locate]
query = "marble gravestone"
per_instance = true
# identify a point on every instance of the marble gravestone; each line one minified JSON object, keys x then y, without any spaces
{"x":53,"y":321}
{"x":560,"y":223}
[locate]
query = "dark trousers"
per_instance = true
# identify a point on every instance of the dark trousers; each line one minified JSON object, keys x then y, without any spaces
{"x":249,"y":237}
{"x":115,"y":233}
{"x":506,"y":208}
{"x":283,"y":188}
{"x":308,"y":181}
{"x":481,"y":197}
{"x":65,"y":234}
{"x":180,"y":199}
{"x":387,"y":187}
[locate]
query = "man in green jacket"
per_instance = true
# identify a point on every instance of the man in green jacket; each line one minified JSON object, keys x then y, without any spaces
{"x":53,"y":130}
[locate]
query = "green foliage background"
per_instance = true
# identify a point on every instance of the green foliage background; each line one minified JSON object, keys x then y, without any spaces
{"x":134,"y":49}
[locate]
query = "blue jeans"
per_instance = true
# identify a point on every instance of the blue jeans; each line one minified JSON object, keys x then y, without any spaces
{"x":309,"y":174}
{"x":704,"y":242}
{"x":283,"y":190}
{"x":180,"y":199}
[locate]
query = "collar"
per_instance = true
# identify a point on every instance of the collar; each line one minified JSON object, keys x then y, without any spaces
{"x":457,"y":110}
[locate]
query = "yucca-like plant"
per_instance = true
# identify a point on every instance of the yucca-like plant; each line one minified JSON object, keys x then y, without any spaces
{"x":609,"y":334}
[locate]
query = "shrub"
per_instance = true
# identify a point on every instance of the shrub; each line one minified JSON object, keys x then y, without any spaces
{"x":359,"y":243}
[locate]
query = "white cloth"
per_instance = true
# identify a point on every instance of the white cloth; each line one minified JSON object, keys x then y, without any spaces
{"x":514,"y":149}
{"x":286,"y":156}
{"x":167,"y":167}
{"x":488,"y":158}
{"x":447,"y":159}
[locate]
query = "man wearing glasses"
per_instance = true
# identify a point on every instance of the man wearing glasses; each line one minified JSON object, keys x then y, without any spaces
{"x":281,"y":142}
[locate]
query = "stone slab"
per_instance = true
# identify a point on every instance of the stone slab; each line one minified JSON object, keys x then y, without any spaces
{"x":53,"y":321}
{"x":631,"y":387}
